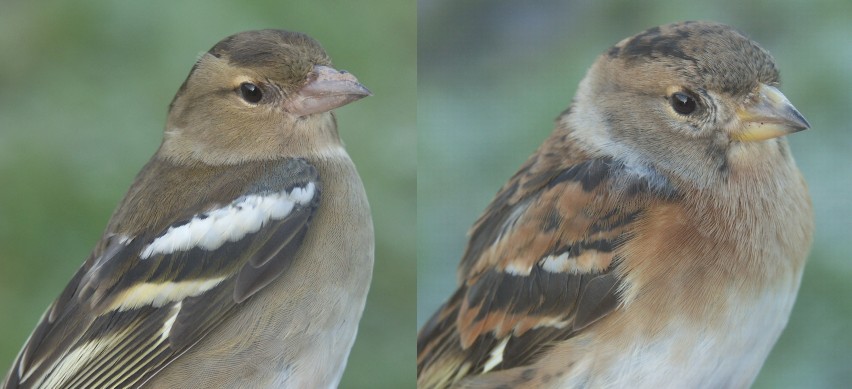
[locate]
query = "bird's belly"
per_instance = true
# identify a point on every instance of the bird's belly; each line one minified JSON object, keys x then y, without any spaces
{"x":322,"y":355}
{"x":320,"y":366}
{"x":690,"y":355}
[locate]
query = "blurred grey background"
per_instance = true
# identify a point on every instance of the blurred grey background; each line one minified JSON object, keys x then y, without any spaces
{"x":84,"y":89}
{"x":493,"y":75}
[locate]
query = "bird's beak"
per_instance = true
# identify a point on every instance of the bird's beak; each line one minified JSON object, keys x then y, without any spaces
{"x":769,"y":115}
{"x":327,"y":88}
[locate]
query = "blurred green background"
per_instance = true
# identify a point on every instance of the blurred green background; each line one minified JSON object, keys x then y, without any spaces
{"x":84,"y":89}
{"x":493,"y":75}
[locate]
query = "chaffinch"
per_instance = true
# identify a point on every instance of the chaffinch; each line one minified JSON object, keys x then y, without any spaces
{"x":242,"y":254}
{"x":656,"y":239}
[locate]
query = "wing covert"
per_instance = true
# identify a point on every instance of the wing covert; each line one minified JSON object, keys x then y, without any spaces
{"x":141,"y":300}
{"x":540,"y":266}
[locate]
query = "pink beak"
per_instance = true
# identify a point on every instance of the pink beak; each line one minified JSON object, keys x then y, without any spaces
{"x":327,"y":89}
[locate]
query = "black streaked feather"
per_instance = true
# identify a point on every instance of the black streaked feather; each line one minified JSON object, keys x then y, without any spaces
{"x":606,"y":195}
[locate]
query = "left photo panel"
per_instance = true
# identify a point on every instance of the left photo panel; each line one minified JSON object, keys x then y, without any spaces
{"x":208,"y":194}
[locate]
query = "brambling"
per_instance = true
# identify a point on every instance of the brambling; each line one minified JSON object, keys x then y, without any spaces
{"x":656,"y":239}
{"x":242,"y":253}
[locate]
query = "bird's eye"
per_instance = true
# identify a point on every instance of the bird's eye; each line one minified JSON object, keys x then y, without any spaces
{"x":683,"y":103}
{"x":250,"y":92}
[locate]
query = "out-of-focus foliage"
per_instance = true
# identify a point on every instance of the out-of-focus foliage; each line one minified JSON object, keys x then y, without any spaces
{"x":84,"y":90}
{"x":492,"y":76}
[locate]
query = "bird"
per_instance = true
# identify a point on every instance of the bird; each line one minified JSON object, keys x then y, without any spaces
{"x":655,"y":239}
{"x":242,"y":253}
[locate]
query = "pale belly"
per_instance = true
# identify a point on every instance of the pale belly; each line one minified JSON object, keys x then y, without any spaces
{"x":683,"y":355}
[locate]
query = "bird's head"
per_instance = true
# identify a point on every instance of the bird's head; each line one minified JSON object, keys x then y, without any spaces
{"x":697,"y":100}
{"x":256,"y":95}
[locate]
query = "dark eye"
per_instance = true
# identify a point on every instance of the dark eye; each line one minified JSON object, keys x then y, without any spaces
{"x":250,"y":92}
{"x":683,"y":103}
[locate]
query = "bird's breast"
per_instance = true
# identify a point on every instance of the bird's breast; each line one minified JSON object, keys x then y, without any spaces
{"x":708,"y":289}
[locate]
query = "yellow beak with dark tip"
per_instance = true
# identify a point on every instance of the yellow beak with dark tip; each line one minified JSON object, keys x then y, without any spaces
{"x":769,"y":116}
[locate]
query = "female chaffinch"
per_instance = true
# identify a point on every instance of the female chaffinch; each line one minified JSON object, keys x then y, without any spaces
{"x":242,"y":254}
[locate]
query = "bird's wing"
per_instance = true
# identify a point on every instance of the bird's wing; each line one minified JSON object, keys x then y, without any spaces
{"x":139,"y":302}
{"x":539,"y":266}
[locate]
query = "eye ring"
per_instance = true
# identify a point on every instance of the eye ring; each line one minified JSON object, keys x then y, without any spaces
{"x":251,"y":93}
{"x":683,"y":103}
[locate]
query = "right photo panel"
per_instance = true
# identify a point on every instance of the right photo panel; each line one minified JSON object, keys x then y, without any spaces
{"x":633,"y":195}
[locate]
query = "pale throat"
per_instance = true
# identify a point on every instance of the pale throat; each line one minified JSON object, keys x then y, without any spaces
{"x":315,"y":135}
